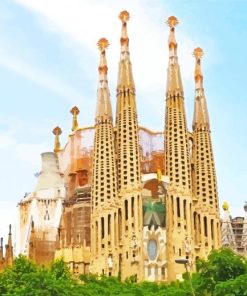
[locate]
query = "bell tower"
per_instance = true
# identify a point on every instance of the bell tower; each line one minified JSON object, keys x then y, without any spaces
{"x":177,"y":159}
{"x":206,"y":211}
{"x":104,"y":235}
{"x":128,"y":163}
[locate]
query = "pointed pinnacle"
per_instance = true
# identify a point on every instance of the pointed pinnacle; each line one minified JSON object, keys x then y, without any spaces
{"x":57,"y":131}
{"x":198,"y":53}
{"x":172,"y":21}
{"x":74,"y":111}
{"x":103,"y":44}
{"x":124,"y":16}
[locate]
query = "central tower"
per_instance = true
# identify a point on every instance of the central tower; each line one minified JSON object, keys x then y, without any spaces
{"x":128,"y":163}
{"x":177,"y":161}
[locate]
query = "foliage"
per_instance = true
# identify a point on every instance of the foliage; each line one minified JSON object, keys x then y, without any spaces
{"x":233,"y":287}
{"x":222,"y":265}
{"x":223,"y":273}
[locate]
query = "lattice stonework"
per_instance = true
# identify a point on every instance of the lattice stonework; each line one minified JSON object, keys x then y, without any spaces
{"x":177,"y":165}
{"x":206,"y":209}
{"x":128,"y":161}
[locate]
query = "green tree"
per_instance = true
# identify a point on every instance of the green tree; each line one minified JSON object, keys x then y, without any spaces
{"x":233,"y":287}
{"x":221,"y":265}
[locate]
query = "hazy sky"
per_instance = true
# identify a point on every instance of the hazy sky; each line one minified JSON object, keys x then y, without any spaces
{"x":48,"y":64}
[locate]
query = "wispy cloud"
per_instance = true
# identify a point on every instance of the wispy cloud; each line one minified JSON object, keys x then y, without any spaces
{"x":82,"y":23}
{"x":28,"y":152}
{"x":37,"y":75}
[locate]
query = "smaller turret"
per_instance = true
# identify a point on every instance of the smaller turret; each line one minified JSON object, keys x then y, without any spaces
{"x":201,"y":118}
{"x":57,"y":132}
{"x":9,"y":249}
{"x":74,"y":111}
{"x":174,"y":81}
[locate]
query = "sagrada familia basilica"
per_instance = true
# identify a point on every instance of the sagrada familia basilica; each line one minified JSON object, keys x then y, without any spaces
{"x":119,"y":199}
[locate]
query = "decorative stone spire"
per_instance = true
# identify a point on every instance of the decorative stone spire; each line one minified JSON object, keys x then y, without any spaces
{"x":74,"y":111}
{"x":125,"y":76}
{"x":103,"y":110}
{"x":203,"y":173}
{"x":201,"y":118}
{"x":178,"y":167}
{"x":104,"y":185}
{"x":128,"y":161}
{"x":9,"y":249}
{"x":174,"y":81}
{"x":10,"y":236}
{"x":57,"y":132}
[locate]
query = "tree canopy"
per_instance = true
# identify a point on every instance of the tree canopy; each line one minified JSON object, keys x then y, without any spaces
{"x":223,"y":273}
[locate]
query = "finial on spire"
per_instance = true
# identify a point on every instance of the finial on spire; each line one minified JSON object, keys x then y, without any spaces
{"x":102,"y":45}
{"x":124,"y":17}
{"x":172,"y":21}
{"x":10,"y":229}
{"x":159,"y":174}
{"x":74,"y":111}
{"x":1,"y":242}
{"x":57,"y":132}
{"x":172,"y":43}
{"x":198,"y":53}
{"x":103,"y":109}
{"x":225,"y":206}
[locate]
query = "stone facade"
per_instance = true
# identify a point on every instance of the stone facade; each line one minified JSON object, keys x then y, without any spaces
{"x":135,"y":200}
{"x":40,"y":213}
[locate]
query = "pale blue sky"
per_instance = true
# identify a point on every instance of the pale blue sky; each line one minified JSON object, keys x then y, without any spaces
{"x":48,"y":63}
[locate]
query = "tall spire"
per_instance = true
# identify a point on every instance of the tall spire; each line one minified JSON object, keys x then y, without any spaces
{"x":125,"y":76}
{"x":174,"y":81}
{"x":74,"y":111}
{"x":204,"y":185}
{"x":103,"y":110}
{"x":128,"y":161}
{"x":104,"y":239}
{"x":177,"y":160}
{"x":201,"y":118}
{"x":57,"y":132}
